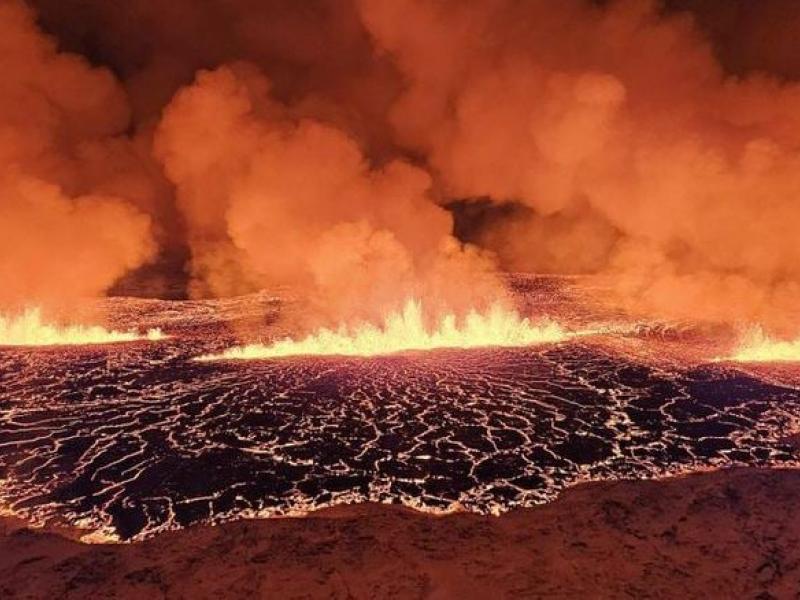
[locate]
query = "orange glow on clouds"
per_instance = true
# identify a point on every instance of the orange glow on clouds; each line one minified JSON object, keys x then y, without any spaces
{"x":28,"y":329}
{"x":406,"y":330}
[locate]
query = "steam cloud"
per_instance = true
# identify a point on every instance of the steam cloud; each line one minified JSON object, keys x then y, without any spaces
{"x":317,"y":143}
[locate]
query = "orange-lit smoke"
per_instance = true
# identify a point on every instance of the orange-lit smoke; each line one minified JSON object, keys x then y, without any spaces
{"x":272,"y":195}
{"x":316,"y":144}
{"x":65,"y":230}
{"x":616,"y":125}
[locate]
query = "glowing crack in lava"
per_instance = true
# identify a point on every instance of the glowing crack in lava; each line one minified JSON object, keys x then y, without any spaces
{"x":406,"y":330}
{"x":28,"y":329}
{"x":756,"y":346}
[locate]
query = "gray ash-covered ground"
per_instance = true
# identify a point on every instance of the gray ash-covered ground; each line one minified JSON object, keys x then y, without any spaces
{"x":136,"y":438}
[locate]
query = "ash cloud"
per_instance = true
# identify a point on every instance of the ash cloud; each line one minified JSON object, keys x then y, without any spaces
{"x":318,"y":144}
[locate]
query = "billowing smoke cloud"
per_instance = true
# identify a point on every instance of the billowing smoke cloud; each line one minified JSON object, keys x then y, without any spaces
{"x":315,"y":143}
{"x":65,"y":231}
{"x":272,"y":195}
{"x":315,"y":50}
{"x":616,"y":125}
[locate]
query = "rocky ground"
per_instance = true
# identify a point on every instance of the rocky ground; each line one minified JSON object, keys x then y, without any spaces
{"x":723,"y":534}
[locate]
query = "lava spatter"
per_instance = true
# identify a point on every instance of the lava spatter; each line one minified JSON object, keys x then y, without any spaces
{"x":406,"y":330}
{"x":30,"y":329}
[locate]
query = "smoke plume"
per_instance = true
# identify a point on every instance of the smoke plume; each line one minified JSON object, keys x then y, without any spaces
{"x":616,"y":125}
{"x":65,"y":232}
{"x":274,"y":196}
{"x":328,"y":145}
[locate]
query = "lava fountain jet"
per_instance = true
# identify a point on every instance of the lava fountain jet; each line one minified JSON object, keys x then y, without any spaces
{"x":28,"y":329}
{"x":406,"y":330}
{"x":757,"y":346}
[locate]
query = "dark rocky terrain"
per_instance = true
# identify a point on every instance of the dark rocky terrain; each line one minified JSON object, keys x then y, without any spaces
{"x":723,"y":534}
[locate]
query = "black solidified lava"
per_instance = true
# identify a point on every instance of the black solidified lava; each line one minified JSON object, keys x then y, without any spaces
{"x":139,"y":438}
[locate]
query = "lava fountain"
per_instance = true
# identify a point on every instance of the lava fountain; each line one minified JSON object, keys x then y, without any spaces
{"x":757,"y":346}
{"x":28,"y":329}
{"x":406,"y":330}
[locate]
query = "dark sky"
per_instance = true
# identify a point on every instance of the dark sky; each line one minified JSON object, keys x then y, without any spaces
{"x":747,"y":34}
{"x":751,"y":35}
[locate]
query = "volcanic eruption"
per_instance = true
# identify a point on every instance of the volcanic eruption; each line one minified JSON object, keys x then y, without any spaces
{"x":633,"y":154}
{"x":28,"y":329}
{"x":500,"y":248}
{"x":407,"y":331}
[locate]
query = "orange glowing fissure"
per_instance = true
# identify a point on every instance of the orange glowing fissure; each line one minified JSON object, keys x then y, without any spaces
{"x":405,"y":331}
{"x":401,"y":331}
{"x":28,"y":329}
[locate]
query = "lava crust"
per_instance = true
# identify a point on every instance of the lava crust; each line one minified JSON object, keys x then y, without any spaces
{"x":132,"y":439}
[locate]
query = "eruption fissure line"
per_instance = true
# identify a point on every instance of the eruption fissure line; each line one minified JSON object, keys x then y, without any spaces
{"x":406,"y":330}
{"x":28,"y":329}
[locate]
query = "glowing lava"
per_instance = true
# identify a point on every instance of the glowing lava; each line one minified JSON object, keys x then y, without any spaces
{"x":756,"y":346}
{"x":28,"y":329}
{"x":406,"y":330}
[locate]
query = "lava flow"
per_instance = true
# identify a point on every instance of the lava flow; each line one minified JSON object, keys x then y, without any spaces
{"x":28,"y":329}
{"x":406,"y":330}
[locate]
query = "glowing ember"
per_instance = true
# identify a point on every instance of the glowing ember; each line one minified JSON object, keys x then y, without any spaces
{"x":406,"y":331}
{"x":28,"y":329}
{"x":756,"y":346}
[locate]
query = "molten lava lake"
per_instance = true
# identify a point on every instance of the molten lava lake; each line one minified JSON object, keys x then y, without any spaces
{"x":131,"y":439}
